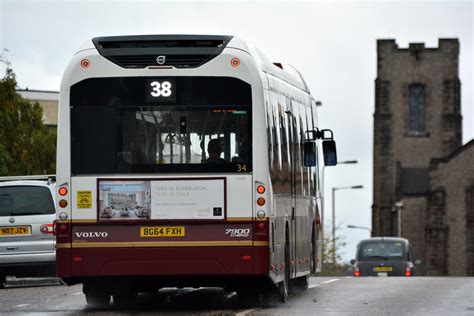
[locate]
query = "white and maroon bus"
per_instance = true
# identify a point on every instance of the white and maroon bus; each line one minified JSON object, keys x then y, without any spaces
{"x":181,"y":163}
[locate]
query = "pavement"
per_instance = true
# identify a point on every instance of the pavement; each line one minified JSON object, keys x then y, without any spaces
{"x":16,"y":282}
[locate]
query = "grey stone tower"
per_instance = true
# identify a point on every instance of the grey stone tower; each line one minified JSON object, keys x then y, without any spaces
{"x":417,"y":117}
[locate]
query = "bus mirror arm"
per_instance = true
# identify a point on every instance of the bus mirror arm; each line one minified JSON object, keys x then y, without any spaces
{"x":313,"y":135}
{"x":329,"y":147}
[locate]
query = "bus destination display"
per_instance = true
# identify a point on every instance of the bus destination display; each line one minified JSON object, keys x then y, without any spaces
{"x":160,"y":90}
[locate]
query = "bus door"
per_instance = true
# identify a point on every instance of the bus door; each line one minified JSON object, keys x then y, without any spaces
{"x":291,"y":142}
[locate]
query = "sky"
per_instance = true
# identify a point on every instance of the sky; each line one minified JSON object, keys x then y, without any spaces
{"x":332,"y":43}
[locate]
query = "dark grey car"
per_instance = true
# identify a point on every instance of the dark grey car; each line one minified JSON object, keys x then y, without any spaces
{"x":384,"y":256}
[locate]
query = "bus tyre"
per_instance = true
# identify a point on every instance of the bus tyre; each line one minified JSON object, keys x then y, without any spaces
{"x":284,"y":286}
{"x":249,"y":298}
{"x":313,"y":262}
{"x":300,"y":284}
{"x":125,"y":298}
{"x":96,"y":297}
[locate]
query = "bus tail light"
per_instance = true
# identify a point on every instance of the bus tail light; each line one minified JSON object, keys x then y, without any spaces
{"x":63,"y":228}
{"x":261,"y":230}
{"x":261,"y":211}
{"x":63,"y":203}
{"x":408,"y":270}
{"x":60,"y":228}
{"x":63,"y":232}
{"x":62,"y":191}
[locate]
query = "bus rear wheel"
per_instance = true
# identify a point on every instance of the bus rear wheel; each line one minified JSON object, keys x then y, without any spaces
{"x":313,"y":252}
{"x":125,"y":298}
{"x":300,"y":284}
{"x":250,"y":297}
{"x":284,"y":285}
{"x":96,"y":297}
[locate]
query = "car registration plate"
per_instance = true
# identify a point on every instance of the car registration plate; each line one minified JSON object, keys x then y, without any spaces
{"x":162,"y":231}
{"x":383,"y":269}
{"x":15,"y":231}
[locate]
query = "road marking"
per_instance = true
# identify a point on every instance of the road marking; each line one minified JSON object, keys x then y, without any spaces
{"x":247,"y":312}
{"x":21,"y":305}
{"x":330,"y":281}
{"x":78,"y":293}
{"x":313,"y":286}
{"x":347,"y":277}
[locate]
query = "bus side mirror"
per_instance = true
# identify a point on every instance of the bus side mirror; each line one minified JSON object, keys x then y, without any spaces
{"x":329,"y":152}
{"x":353,"y":261}
{"x":309,"y":150}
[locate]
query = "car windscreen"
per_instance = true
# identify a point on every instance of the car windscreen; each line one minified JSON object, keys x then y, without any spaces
{"x":25,"y":200}
{"x":383,"y":250}
{"x":117,"y":125}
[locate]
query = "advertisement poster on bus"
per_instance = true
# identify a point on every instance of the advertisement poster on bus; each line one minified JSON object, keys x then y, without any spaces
{"x":161,"y":199}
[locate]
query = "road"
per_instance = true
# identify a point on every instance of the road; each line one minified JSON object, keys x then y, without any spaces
{"x":326,"y":295}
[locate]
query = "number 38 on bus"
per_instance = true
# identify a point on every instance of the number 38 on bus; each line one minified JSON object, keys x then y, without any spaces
{"x":186,"y":161}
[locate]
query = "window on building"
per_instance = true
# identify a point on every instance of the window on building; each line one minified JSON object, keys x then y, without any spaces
{"x":416,"y":108}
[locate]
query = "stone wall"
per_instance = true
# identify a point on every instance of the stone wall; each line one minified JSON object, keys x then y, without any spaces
{"x":449,"y":207}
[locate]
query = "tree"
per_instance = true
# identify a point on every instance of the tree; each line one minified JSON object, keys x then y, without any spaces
{"x":27,"y":147}
{"x":329,"y":267}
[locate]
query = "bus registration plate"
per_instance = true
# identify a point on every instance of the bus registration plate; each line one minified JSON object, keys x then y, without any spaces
{"x":162,"y":231}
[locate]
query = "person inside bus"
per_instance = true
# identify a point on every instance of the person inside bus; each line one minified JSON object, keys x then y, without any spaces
{"x":243,"y":153}
{"x":214,"y":149}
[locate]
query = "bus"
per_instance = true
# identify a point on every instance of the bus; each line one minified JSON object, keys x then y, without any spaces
{"x":186,"y":161}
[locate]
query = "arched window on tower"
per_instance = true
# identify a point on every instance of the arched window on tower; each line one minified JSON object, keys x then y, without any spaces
{"x":416,"y":108}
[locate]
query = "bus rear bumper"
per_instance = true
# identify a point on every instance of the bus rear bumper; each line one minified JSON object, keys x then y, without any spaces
{"x":85,"y":263}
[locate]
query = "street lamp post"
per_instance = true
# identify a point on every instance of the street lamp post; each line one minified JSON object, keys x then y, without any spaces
{"x":334,"y":216}
{"x":322,"y":185}
{"x":360,"y":227}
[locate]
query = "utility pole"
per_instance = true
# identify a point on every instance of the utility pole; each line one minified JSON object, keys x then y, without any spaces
{"x":334,"y":216}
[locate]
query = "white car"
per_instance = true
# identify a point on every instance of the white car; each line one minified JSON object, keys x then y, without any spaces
{"x":27,"y":243}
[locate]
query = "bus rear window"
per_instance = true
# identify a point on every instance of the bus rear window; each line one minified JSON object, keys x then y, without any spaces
{"x":122,"y":132}
{"x":25,"y":200}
